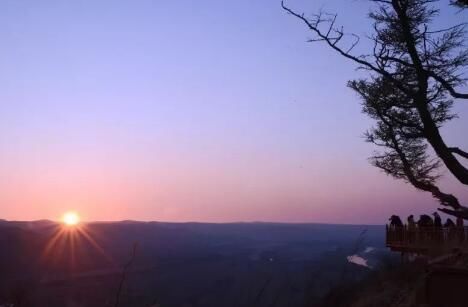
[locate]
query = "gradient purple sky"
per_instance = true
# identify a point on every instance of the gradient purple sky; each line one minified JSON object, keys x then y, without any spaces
{"x":188,"y":111}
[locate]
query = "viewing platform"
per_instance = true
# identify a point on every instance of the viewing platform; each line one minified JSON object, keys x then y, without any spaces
{"x":426,"y":240}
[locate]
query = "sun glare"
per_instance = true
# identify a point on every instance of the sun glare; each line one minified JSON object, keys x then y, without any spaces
{"x":71,"y":218}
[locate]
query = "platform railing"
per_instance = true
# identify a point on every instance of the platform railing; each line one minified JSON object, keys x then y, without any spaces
{"x":425,"y":237}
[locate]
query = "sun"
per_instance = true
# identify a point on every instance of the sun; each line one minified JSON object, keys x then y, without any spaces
{"x":71,"y":218}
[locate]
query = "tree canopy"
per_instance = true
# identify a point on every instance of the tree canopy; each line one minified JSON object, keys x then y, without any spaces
{"x":415,"y":76}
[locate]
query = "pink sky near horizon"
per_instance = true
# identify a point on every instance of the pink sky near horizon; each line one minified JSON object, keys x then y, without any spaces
{"x":112,"y":110}
{"x":294,"y":193}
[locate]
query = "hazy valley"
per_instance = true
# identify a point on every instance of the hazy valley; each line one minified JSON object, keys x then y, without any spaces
{"x":186,"y":264}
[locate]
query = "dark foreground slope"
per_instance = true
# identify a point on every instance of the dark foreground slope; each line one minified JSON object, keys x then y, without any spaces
{"x":189,"y":264}
{"x":391,"y":285}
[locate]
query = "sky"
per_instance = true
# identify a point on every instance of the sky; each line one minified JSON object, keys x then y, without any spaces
{"x":215,"y":111}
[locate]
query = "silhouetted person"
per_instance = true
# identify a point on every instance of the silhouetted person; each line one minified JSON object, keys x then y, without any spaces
{"x":425,"y":225}
{"x":438,"y":235}
{"x":396,"y":227}
{"x":450,"y":228}
{"x":395,"y":221}
{"x":437,"y":220}
{"x":411,"y":222}
{"x":425,"y":221}
{"x":460,"y":229}
{"x":411,"y":228}
{"x":459,"y":222}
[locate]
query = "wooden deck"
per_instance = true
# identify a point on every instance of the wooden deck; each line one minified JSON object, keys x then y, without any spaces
{"x":427,"y":240}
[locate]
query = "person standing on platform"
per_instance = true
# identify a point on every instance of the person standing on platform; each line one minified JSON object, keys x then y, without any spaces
{"x":460,"y":229}
{"x":411,"y":228}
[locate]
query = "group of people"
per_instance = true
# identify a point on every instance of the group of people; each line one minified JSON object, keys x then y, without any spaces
{"x":425,"y":221}
{"x":426,"y":228}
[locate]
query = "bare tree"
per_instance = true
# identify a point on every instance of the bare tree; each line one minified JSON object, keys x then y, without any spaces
{"x":415,"y":73}
{"x":125,"y":269}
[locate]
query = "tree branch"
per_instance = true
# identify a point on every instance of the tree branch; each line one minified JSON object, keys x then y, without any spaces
{"x":462,"y":213}
{"x":409,"y":168}
{"x":459,"y":152}
{"x":124,"y":275}
{"x":431,"y":130}
{"x":332,"y":42}
{"x":447,"y":86}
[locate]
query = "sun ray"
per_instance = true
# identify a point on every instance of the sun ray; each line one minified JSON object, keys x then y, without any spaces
{"x":53,"y":242}
{"x":67,"y":241}
{"x":93,"y":242}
